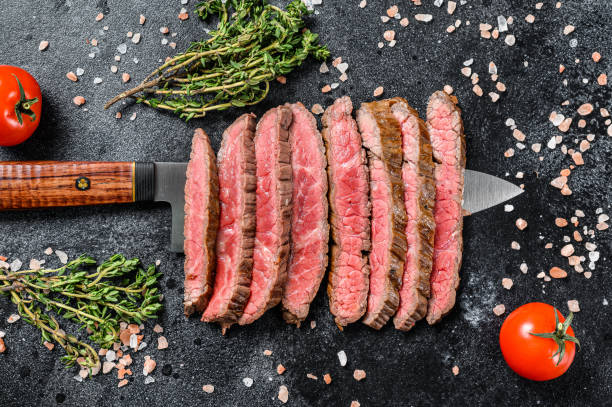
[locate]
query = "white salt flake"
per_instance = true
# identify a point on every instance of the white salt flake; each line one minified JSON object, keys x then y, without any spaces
{"x":342,"y":358}
{"x":510,"y":39}
{"x":425,"y":18}
{"x":508,"y":208}
{"x":247,"y":381}
{"x":149,"y":380}
{"x":502,"y":24}
{"x":97,"y":80}
{"x":122,"y":48}
{"x":136,"y":38}
{"x":63,"y":257}
{"x":16,"y":265}
{"x":80,"y":71}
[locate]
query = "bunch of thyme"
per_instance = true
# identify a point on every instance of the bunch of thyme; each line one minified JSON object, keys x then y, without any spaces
{"x":254,"y":43}
{"x":118,"y":290}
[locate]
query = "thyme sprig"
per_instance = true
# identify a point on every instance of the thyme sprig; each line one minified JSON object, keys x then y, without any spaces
{"x":254,"y":43}
{"x":119,"y":289}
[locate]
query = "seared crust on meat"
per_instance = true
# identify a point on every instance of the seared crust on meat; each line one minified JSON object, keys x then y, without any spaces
{"x":382,"y":138}
{"x":416,"y":286}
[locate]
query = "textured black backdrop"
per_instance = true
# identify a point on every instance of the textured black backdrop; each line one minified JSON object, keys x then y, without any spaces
{"x":402,"y":368}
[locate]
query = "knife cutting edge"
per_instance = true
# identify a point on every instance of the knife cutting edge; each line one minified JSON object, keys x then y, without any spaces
{"x":47,"y":184}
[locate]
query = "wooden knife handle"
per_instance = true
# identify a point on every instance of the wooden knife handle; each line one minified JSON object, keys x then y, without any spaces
{"x":43,"y":184}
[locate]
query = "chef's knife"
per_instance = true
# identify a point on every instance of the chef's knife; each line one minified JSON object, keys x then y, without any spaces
{"x":45,"y":184}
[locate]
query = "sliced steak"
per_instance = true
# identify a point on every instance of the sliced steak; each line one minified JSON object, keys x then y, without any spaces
{"x":309,"y":226}
{"x":382,"y":138}
{"x":201,"y":223}
{"x":350,"y":214}
{"x":448,"y":141}
{"x":236,"y":236}
{"x":419,"y":198}
{"x":273,"y":213}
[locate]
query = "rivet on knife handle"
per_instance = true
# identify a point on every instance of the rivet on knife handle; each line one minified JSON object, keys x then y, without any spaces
{"x":43,"y":184}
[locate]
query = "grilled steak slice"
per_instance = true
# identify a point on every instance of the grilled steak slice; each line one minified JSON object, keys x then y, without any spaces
{"x":350,"y":213}
{"x":201,"y":223}
{"x":419,"y":198}
{"x":448,"y":142}
{"x":382,"y":138}
{"x":309,"y":226}
{"x":273,"y":213}
{"x":236,"y":236}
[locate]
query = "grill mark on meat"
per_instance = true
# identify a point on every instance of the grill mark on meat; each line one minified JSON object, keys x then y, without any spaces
{"x":201,"y":223}
{"x":273,"y":213}
{"x":419,"y":199}
{"x":309,"y":226}
{"x":382,"y":138}
{"x":448,"y":142}
{"x":349,"y":214}
{"x":236,"y":236}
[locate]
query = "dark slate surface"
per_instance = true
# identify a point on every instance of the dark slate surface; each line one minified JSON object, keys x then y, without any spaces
{"x":402,"y":368}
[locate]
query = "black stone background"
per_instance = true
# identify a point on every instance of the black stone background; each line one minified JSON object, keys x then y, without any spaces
{"x":402,"y":368}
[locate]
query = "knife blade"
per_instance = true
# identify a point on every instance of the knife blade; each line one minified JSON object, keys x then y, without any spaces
{"x":45,"y":184}
{"x":483,"y":191}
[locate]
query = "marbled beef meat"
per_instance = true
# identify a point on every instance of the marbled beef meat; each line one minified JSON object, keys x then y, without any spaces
{"x":350,"y":213}
{"x":309,"y":226}
{"x":236,"y":236}
{"x":448,"y":142}
{"x":382,"y":138}
{"x":273,"y":213}
{"x":201,"y":223}
{"x":419,"y":198}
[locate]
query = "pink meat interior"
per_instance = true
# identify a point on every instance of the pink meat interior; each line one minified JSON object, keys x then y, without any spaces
{"x":196,"y":262}
{"x":410,"y":147}
{"x":447,"y":211}
{"x":269,"y":229}
{"x":308,"y":232}
{"x":351,"y":204}
{"x":380,"y":196}
{"x":229,"y":236}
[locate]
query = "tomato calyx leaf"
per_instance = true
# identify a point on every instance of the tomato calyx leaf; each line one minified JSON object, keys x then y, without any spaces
{"x":560,"y":335}
{"x":24,"y":105}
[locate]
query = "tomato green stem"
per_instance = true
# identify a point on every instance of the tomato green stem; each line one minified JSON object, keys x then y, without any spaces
{"x":560,"y":335}
{"x":24,"y":106}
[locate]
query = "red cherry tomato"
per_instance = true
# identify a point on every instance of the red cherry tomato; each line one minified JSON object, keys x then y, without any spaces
{"x":20,"y":105}
{"x":537,"y":342}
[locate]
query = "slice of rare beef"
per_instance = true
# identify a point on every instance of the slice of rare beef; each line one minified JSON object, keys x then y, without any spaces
{"x":448,"y":142}
{"x":236,"y":236}
{"x":201,"y":223}
{"x":419,"y":198}
{"x":273,"y":213}
{"x":350,"y":213}
{"x":309,"y":226}
{"x":382,"y":138}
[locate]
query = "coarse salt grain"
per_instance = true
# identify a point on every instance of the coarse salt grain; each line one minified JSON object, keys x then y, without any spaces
{"x":208,"y":388}
{"x":556,"y":272}
{"x":342,"y":358}
{"x":78,"y":100}
{"x":43,"y":45}
{"x":515,"y":245}
{"x":359,"y":374}
{"x":573,"y":306}
{"x":568,"y":29}
{"x":378,"y":91}
{"x":523,"y":267}
{"x":99,"y":17}
{"x":499,"y":309}
{"x":283,"y":394}
{"x":507,"y":283}
{"x":521,"y":223}
{"x":510,"y":39}
{"x":424,"y":18}
{"x":451,"y":7}
{"x":162,"y":343}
